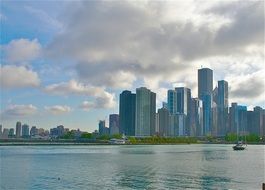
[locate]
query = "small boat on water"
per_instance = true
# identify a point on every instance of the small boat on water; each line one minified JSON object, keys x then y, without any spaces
{"x":240,"y":146}
{"x":117,"y":141}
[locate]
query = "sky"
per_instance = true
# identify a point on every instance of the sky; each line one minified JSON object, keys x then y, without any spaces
{"x":66,"y":62}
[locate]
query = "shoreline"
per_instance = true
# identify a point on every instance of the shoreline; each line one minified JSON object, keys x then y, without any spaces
{"x":105,"y":143}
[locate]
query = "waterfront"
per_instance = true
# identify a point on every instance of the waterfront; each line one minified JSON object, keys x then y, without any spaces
{"x":132,"y":167}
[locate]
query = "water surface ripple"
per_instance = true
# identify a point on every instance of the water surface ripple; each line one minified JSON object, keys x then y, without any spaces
{"x":131,"y":167}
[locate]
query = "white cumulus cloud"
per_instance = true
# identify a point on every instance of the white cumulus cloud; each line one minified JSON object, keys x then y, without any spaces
{"x":18,"y":77}
{"x":19,"y":111}
{"x":103,"y":99}
{"x":21,"y":50}
{"x":58,"y":109}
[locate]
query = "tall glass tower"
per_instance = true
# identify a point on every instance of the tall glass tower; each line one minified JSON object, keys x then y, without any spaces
{"x":184,"y":106}
{"x":127,"y":113}
{"x":145,"y":112}
{"x":172,"y":101}
{"x":18,"y":129}
{"x":205,"y":88}
{"x":222,"y":108}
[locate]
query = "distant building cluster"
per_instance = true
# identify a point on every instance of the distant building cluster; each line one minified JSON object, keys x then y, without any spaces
{"x":25,"y":132}
{"x":184,"y":115}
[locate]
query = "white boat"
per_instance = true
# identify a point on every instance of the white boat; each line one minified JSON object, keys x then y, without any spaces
{"x":117,"y":141}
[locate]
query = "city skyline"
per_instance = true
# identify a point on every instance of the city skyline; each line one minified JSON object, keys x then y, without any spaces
{"x":55,"y":71}
{"x":179,"y":94}
{"x":141,"y":117}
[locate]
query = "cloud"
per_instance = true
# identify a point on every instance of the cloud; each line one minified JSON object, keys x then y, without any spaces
{"x":116,"y":44}
{"x":248,"y":89}
{"x":110,"y":74}
{"x":19,"y":111}
{"x":74,"y":88}
{"x":247,"y":26}
{"x":58,"y":109}
{"x":21,"y":50}
{"x":45,"y":17}
{"x":18,"y":77}
{"x":101,"y":102}
{"x":103,"y":99}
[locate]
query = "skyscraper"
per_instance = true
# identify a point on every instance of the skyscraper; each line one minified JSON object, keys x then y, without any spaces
{"x":238,"y":119}
{"x":196,"y":121}
{"x":172,"y":101}
{"x":11,"y":133}
{"x":181,"y":124}
{"x":114,"y":125}
{"x":222,"y":108}
{"x":183,"y":100}
{"x":5,"y":133}
{"x":25,"y":131}
{"x":205,"y":88}
{"x":33,"y":131}
{"x":60,"y":130}
{"x":102,"y":129}
{"x":258,"y":120}
{"x":184,"y":105}
{"x":18,"y":129}
{"x":153,"y":114}
{"x":163,"y":115}
{"x":127,"y":113}
{"x":145,"y":112}
{"x":214,"y":119}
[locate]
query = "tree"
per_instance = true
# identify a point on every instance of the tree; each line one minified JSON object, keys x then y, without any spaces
{"x":116,"y":136}
{"x":231,"y":137}
{"x":86,"y":135}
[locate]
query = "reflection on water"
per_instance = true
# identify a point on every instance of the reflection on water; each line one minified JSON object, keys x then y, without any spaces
{"x":131,"y":167}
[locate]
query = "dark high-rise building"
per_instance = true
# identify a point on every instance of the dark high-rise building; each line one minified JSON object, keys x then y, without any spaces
{"x":163,"y":115}
{"x":145,"y":112}
{"x":18,"y":129}
{"x":222,"y":108}
{"x":127,"y":113}
{"x":25,"y":131}
{"x":114,"y":124}
{"x":205,"y":88}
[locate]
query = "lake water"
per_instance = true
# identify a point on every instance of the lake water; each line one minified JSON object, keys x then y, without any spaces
{"x":131,"y":167}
